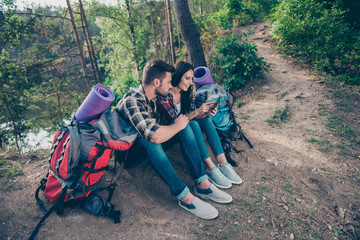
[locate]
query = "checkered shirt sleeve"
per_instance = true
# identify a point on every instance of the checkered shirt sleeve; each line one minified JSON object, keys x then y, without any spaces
{"x":136,"y":108}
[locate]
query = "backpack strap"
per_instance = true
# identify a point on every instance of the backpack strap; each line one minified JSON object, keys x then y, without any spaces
{"x":38,"y":200}
{"x":121,"y":160}
{"x":241,"y":135}
{"x":47,"y":214}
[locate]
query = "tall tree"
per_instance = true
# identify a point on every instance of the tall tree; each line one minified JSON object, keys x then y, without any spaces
{"x":13,"y":76}
{"x":153,"y":29}
{"x":89,"y":43}
{"x":132,"y":37}
{"x":170,"y":31}
{"x":189,"y":33}
{"x":79,"y":45}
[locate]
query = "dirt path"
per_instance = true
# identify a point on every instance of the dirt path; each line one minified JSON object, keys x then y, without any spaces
{"x":291,"y":190}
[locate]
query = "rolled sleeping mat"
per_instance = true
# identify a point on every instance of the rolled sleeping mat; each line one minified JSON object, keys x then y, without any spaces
{"x":202,"y":76}
{"x":96,"y":102}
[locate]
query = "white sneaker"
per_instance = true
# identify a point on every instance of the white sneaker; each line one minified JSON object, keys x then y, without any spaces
{"x":214,"y":194}
{"x":218,"y":178}
{"x":230,"y":173}
{"x":200,"y":209}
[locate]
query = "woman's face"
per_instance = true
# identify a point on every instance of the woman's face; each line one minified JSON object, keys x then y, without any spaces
{"x":186,"y":80}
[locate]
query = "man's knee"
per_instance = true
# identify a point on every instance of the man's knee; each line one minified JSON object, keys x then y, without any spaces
{"x":186,"y":131}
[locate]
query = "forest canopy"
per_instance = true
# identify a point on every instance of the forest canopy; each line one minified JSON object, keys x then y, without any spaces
{"x":52,"y":56}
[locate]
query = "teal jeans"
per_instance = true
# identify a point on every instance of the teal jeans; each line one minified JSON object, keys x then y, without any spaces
{"x":207,"y":126}
{"x":143,"y":151}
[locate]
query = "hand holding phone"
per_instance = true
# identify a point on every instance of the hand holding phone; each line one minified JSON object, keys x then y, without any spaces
{"x":215,"y":104}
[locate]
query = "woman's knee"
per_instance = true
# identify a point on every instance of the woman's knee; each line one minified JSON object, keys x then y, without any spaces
{"x":195,"y":126}
{"x":206,"y":122}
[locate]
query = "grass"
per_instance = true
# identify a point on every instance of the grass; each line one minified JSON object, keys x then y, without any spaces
{"x":339,"y":124}
{"x":323,"y":144}
{"x":10,"y":168}
{"x":282,"y":95}
{"x":281,"y":115}
{"x":239,"y":102}
{"x":288,"y":188}
{"x":15,"y":170}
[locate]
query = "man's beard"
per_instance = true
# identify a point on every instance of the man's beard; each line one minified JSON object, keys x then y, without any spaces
{"x":160,"y":93}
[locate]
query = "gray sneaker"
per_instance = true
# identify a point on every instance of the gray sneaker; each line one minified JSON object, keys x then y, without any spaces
{"x":200,"y":209}
{"x":218,"y":178}
{"x":230,"y":173}
{"x":214,"y":194}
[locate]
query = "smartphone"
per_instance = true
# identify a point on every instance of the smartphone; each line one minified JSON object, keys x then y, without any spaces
{"x":216,"y":104}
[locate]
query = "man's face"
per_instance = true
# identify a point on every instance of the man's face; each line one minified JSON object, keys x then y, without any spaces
{"x":165,"y":85}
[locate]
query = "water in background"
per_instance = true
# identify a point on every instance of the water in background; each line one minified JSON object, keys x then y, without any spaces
{"x":41,"y":140}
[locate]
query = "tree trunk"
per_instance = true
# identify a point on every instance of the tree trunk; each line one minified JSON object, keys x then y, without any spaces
{"x":58,"y":96}
{"x":189,"y":33}
{"x":79,"y":46}
{"x":132,"y":38}
{"x":167,"y":49}
{"x":153,"y":29}
{"x":16,"y":132}
{"x":179,"y":37}
{"x":90,"y":44}
{"x":170,"y":31}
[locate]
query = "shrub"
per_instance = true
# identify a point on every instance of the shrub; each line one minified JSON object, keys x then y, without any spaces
{"x":319,"y":35}
{"x":235,"y":12}
{"x":238,"y":62}
{"x":120,"y":88}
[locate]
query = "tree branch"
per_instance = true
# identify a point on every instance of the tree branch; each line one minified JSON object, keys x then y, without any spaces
{"x":41,"y":15}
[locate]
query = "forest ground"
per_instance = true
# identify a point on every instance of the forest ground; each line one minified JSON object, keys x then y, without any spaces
{"x":291,"y":189}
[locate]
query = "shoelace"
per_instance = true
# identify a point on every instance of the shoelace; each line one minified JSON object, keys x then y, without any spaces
{"x":219,"y":173}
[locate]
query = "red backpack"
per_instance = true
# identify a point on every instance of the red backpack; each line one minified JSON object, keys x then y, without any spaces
{"x":79,"y":156}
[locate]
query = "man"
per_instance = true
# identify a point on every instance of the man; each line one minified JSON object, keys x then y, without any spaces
{"x":139,"y":108}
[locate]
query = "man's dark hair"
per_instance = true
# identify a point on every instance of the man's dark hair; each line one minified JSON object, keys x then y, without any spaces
{"x":155,"y":68}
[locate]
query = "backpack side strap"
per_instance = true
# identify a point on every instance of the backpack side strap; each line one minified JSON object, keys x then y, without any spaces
{"x":47,"y":214}
{"x":38,"y":200}
{"x":121,"y":160}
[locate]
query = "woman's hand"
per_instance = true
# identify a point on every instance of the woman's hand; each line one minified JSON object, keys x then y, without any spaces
{"x":204,"y":109}
{"x":212,"y":111}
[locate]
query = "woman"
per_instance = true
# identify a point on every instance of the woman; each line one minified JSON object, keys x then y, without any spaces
{"x":180,"y":100}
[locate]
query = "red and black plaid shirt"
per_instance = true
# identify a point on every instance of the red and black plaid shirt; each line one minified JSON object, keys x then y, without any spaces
{"x":166,"y":110}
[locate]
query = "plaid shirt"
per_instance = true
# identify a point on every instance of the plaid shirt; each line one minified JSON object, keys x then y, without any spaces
{"x":139,"y":111}
{"x":167,"y":112}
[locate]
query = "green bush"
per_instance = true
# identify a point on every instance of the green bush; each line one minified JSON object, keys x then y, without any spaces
{"x":238,"y":63}
{"x":235,"y":12}
{"x":262,"y":7}
{"x":311,"y":31}
{"x":120,"y":88}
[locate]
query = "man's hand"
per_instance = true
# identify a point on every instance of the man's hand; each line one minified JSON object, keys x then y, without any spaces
{"x":181,"y":121}
{"x":165,"y":132}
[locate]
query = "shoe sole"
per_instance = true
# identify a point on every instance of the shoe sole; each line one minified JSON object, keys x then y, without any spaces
{"x":202,"y":217}
{"x":237,"y":183}
{"x":219,"y":186}
{"x":212,"y":199}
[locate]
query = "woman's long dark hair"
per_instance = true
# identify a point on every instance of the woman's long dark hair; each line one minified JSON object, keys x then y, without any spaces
{"x":180,"y":69}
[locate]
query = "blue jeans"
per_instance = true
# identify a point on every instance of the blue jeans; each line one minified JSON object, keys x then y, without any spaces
{"x":206,"y":125}
{"x":143,"y":151}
